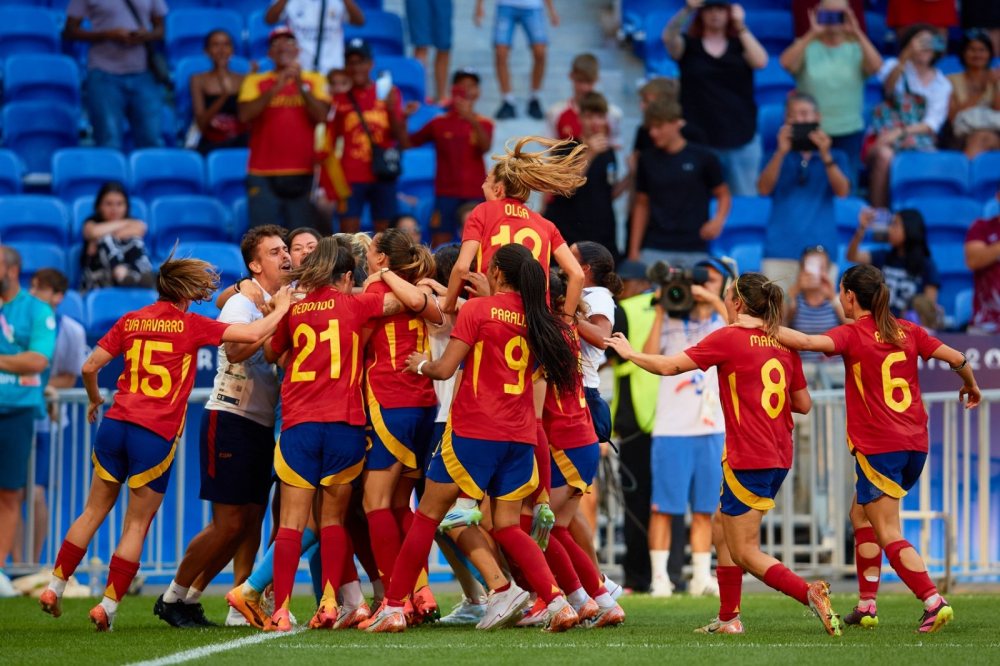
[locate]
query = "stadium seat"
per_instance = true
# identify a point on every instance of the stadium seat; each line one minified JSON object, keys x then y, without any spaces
{"x":407,"y":75}
{"x":206,"y":308}
{"x":241,"y":219}
{"x":772,"y":84}
{"x":257,"y":34}
{"x":186,"y":30}
{"x":772,"y":28}
{"x":103,"y":307}
{"x":746,"y":224}
{"x":227,"y":174}
{"x":186,"y":218}
{"x":955,"y":275}
{"x":36,"y":130}
{"x":423,"y":115}
{"x":770,"y":118}
{"x":41,"y":77}
{"x":163,"y":171}
{"x":25,"y":30}
{"x":382,"y":30}
{"x":78,"y":172}
{"x":654,"y":52}
{"x":38,"y":255}
{"x":963,"y":308}
{"x":11,"y":172}
{"x":33,"y":217}
{"x":633,"y":14}
{"x":874,"y":94}
{"x":757,"y":5}
{"x":83,"y":209}
{"x":72,"y":307}
{"x":877,"y":30}
{"x":417,"y":179}
{"x":941,"y":173}
{"x":847,"y":210}
{"x":984,"y":178}
{"x":188,"y":67}
{"x":748,"y":257}
{"x":225,"y":256}
{"x":947,"y":218}
{"x":950,"y":64}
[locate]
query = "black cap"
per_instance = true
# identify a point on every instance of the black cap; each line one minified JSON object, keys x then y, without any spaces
{"x":717,"y":3}
{"x":631,"y":269}
{"x":465,"y":73}
{"x":357,"y":46}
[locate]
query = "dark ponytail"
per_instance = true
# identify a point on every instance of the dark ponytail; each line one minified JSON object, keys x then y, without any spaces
{"x":915,"y":250}
{"x":872,"y":294}
{"x":602,"y":266}
{"x":762,"y":298}
{"x":548,"y":335}
{"x":407,"y":259}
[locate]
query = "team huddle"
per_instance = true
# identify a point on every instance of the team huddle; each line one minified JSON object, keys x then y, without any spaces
{"x":467,"y":378}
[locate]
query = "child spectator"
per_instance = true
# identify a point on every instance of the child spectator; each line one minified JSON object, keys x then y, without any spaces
{"x":813,"y":303}
{"x":982,"y":256}
{"x":213,"y":98}
{"x":114,"y":254}
{"x":564,"y":118}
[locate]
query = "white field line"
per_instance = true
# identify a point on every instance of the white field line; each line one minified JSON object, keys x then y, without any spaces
{"x":590,"y":646}
{"x":214,"y":648}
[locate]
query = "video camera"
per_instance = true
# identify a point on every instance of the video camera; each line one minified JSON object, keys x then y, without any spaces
{"x":675,"y":284}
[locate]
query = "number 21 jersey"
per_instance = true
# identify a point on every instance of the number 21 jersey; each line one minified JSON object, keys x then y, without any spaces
{"x":504,"y":221}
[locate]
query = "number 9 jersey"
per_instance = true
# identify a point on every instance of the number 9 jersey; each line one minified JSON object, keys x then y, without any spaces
{"x":757,"y":376}
{"x":494,"y":224}
{"x":884,"y":410}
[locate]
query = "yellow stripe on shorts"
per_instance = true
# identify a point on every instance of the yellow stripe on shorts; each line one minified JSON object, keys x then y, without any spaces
{"x":877,"y":479}
{"x":753,"y":501}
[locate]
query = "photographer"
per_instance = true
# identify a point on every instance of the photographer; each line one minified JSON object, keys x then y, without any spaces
{"x":688,"y":431}
{"x":802,"y":179}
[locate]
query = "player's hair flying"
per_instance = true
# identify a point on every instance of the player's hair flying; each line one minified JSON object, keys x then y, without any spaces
{"x":547,"y":333}
{"x":188,"y":280}
{"x":872,"y":293}
{"x":602,"y":266}
{"x":559,"y":168}
{"x":410,"y":261}
{"x":762,"y":298}
{"x":325,"y":265}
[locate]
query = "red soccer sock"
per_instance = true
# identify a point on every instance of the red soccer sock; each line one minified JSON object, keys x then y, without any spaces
{"x":585,"y":569}
{"x":562,"y":567}
{"x":287,"y":550}
{"x":526,"y":521}
{"x":404,"y":519}
{"x":867,"y":589}
{"x":334,"y":552}
{"x":784,"y":580}
{"x":68,"y":560}
{"x":519,"y":547}
{"x":730,"y":591}
{"x":412,"y":558}
{"x":543,"y":459}
{"x":120,"y":575}
{"x":919,"y":582}
{"x":385,"y":540}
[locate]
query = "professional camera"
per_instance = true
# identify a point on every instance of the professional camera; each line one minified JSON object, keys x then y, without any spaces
{"x":675,"y":286}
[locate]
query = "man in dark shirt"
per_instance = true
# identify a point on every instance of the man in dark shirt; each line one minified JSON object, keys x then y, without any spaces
{"x":675,"y":181}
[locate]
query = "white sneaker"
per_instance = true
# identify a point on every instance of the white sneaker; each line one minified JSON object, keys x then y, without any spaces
{"x":504,"y":607}
{"x":704,"y":587}
{"x":613,"y":588}
{"x":661,"y":587}
{"x":6,"y":588}
{"x":466,"y":612}
{"x":235,"y":619}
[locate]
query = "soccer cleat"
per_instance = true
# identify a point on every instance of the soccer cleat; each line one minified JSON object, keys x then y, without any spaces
{"x":613,"y":588}
{"x":563,"y":619}
{"x":326,"y":615}
{"x":102,"y":620}
{"x":587,"y":611}
{"x":425,"y":606}
{"x":717,"y":626}
{"x":661,"y":587}
{"x":535,"y":109}
{"x":249,"y":606}
{"x":50,"y":603}
{"x":867,"y":619}
{"x":280,"y":621}
{"x":175,"y":614}
{"x":196,"y":615}
{"x":504,"y":608}
{"x":460,"y":516}
{"x":465,"y":612}
{"x":611,"y":616}
{"x":364,"y":624}
{"x":389,"y":620}
{"x":535,"y":616}
{"x":235,"y":619}
{"x":819,"y":602}
{"x":506,"y":111}
{"x":350,"y":616}
{"x":936,"y":618}
{"x":7,"y":589}
{"x":706,"y":587}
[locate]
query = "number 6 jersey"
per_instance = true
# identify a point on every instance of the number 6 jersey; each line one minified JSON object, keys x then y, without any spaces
{"x":757,"y":376}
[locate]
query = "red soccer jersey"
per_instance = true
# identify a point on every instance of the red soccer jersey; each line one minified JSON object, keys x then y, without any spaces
{"x":884,"y":409}
{"x":566,"y":417}
{"x":494,"y":224}
{"x":357,"y":158}
{"x":323,"y":376}
{"x":460,"y":168}
{"x":757,"y":376}
{"x":160,"y":343}
{"x":495,"y":400}
{"x":393,"y":340}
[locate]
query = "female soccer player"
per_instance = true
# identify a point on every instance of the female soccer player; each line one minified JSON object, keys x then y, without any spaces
{"x":489,"y":448}
{"x":761,"y":384}
{"x":138,"y":436}
{"x":322,"y":448}
{"x":886,"y":432}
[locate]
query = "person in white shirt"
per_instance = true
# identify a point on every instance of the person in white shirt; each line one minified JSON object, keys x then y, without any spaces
{"x":321,"y":40}
{"x":688,"y":436}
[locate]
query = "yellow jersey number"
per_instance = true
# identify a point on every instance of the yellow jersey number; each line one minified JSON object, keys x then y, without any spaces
{"x":140,"y":354}
{"x":518,"y":363}
{"x":890,"y":384}
{"x":773,"y":397}
{"x":304,"y":339}
{"x":503,"y":237}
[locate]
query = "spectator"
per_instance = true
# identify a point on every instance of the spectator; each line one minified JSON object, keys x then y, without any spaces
{"x":213,"y":98}
{"x":319,"y":27}
{"x":26,"y":349}
{"x":527,"y":13}
{"x":974,"y":107}
{"x":589,"y":214}
{"x":936,"y":14}
{"x":461,"y":137}
{"x":659,"y":88}
{"x":564,"y":118}
{"x":688,"y":435}
{"x":802,"y":181}
{"x":430,"y":25}
{"x":813,"y":302}
{"x":982,"y":256}
{"x":983,"y":15}
{"x":916,"y":106}
{"x":409,"y":224}
{"x":675,"y":181}
{"x":831,"y":63}
{"x":907,"y":265}
{"x":283,"y":107}
{"x":119,"y":82}
{"x":801,"y":10}
{"x":717,"y":58}
{"x":114,"y":253}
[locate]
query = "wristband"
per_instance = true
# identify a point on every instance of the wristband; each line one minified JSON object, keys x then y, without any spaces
{"x":420,"y":367}
{"x":959,"y":368}
{"x":383,"y":270}
{"x":238,"y":283}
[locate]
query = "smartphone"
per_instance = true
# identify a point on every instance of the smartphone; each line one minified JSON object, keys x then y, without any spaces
{"x":879,"y":228}
{"x":830,"y":17}
{"x":814,"y":265}
{"x":800,"y":136}
{"x":383,"y":85}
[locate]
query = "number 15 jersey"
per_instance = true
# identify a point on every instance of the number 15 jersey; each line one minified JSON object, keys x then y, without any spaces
{"x":504,"y":221}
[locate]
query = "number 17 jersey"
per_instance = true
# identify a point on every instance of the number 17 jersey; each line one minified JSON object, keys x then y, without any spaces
{"x":494,"y":224}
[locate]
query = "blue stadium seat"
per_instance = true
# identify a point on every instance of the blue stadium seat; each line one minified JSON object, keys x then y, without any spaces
{"x":748,"y":257}
{"x":257,"y":33}
{"x":206,"y":308}
{"x":984,"y":179}
{"x":955,"y":275}
{"x":78,"y":172}
{"x":878,"y":31}
{"x":847,"y":210}
{"x":36,"y":130}
{"x":633,"y":13}
{"x":941,"y":173}
{"x":423,"y":115}
{"x":947,"y":218}
{"x":26,"y":30}
{"x":770,"y":118}
{"x":382,"y":30}
{"x":746,"y":224}
{"x":950,"y":64}
{"x":241,"y":219}
{"x":227,"y":173}
{"x":162,"y":171}
{"x":419,"y":166}
{"x":72,"y":307}
{"x":226,"y":258}
{"x":407,"y":75}
{"x":772,"y":84}
{"x":41,"y":77}
{"x":188,"y":67}
{"x":103,"y":307}
{"x":36,"y":256}
{"x":367,"y":5}
{"x":11,"y":172}
{"x":874,"y":93}
{"x":186,"y":218}
{"x":33,"y":217}
{"x":654,"y":52}
{"x":186,"y":30}
{"x":83,"y":208}
{"x":772,"y":28}
{"x":963,"y":308}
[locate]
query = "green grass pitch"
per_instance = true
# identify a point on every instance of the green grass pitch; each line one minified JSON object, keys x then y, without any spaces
{"x":657,"y":630}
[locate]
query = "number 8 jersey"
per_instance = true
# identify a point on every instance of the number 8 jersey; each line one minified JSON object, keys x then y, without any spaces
{"x":757,"y":376}
{"x":494,"y":224}
{"x":884,"y":410}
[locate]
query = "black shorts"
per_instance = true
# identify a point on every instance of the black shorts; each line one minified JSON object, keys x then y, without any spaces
{"x":236,"y":459}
